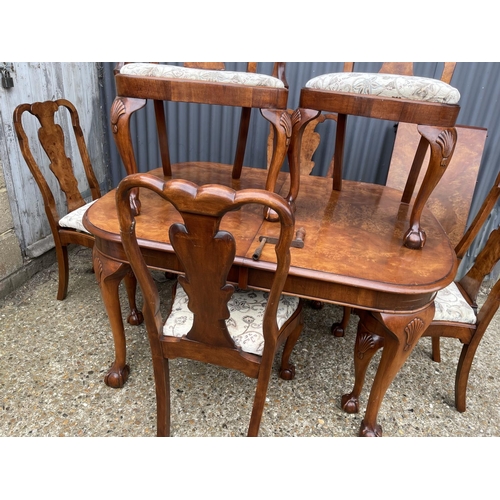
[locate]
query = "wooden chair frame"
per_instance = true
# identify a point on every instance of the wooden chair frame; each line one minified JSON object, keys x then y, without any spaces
{"x":206,"y":254}
{"x":437,"y":121}
{"x":51,"y":136}
{"x":133,"y":91}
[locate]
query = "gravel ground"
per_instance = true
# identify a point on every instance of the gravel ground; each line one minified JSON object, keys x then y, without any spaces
{"x":54,"y":355}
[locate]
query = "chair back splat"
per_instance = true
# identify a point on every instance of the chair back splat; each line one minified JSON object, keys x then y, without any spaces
{"x":205,"y":322}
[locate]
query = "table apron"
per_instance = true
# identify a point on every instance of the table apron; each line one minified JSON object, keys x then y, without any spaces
{"x":343,"y":294}
{"x":301,"y":286}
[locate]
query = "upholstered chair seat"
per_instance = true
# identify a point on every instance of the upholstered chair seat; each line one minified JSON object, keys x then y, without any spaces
{"x":74,"y":219}
{"x":451,"y":306}
{"x":413,"y":88}
{"x":246,"y":308}
{"x":205,"y":75}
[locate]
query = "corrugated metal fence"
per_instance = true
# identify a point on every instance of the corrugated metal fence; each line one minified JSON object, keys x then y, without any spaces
{"x":208,"y":133}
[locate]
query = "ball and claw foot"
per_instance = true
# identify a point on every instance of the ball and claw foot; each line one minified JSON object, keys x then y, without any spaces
{"x":350,"y":404}
{"x":288,"y":373}
{"x":135,"y":317}
{"x":117,"y":378}
{"x":337,"y":330}
{"x":415,"y":239}
{"x":365,"y":431}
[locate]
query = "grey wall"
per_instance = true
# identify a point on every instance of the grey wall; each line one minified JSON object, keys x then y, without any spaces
{"x":207,"y":133}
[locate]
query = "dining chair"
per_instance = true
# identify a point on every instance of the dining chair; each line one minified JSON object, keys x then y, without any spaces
{"x":66,"y":228}
{"x":210,"y":319}
{"x":457,"y":314}
{"x":395,"y":94}
{"x":202,"y":83}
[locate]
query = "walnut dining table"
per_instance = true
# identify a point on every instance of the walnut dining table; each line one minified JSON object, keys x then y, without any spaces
{"x":353,"y":255}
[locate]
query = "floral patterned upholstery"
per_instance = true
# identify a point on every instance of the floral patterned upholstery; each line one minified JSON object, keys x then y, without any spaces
{"x":413,"y":88}
{"x":451,"y":306}
{"x":74,"y":219}
{"x":179,"y":72}
{"x":246,"y":308}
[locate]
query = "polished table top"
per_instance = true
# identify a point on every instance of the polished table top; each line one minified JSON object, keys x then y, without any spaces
{"x":353,"y":252}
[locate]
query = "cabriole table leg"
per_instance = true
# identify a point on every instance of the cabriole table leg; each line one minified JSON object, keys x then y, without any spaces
{"x":109,"y":274}
{"x":400,"y":332}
